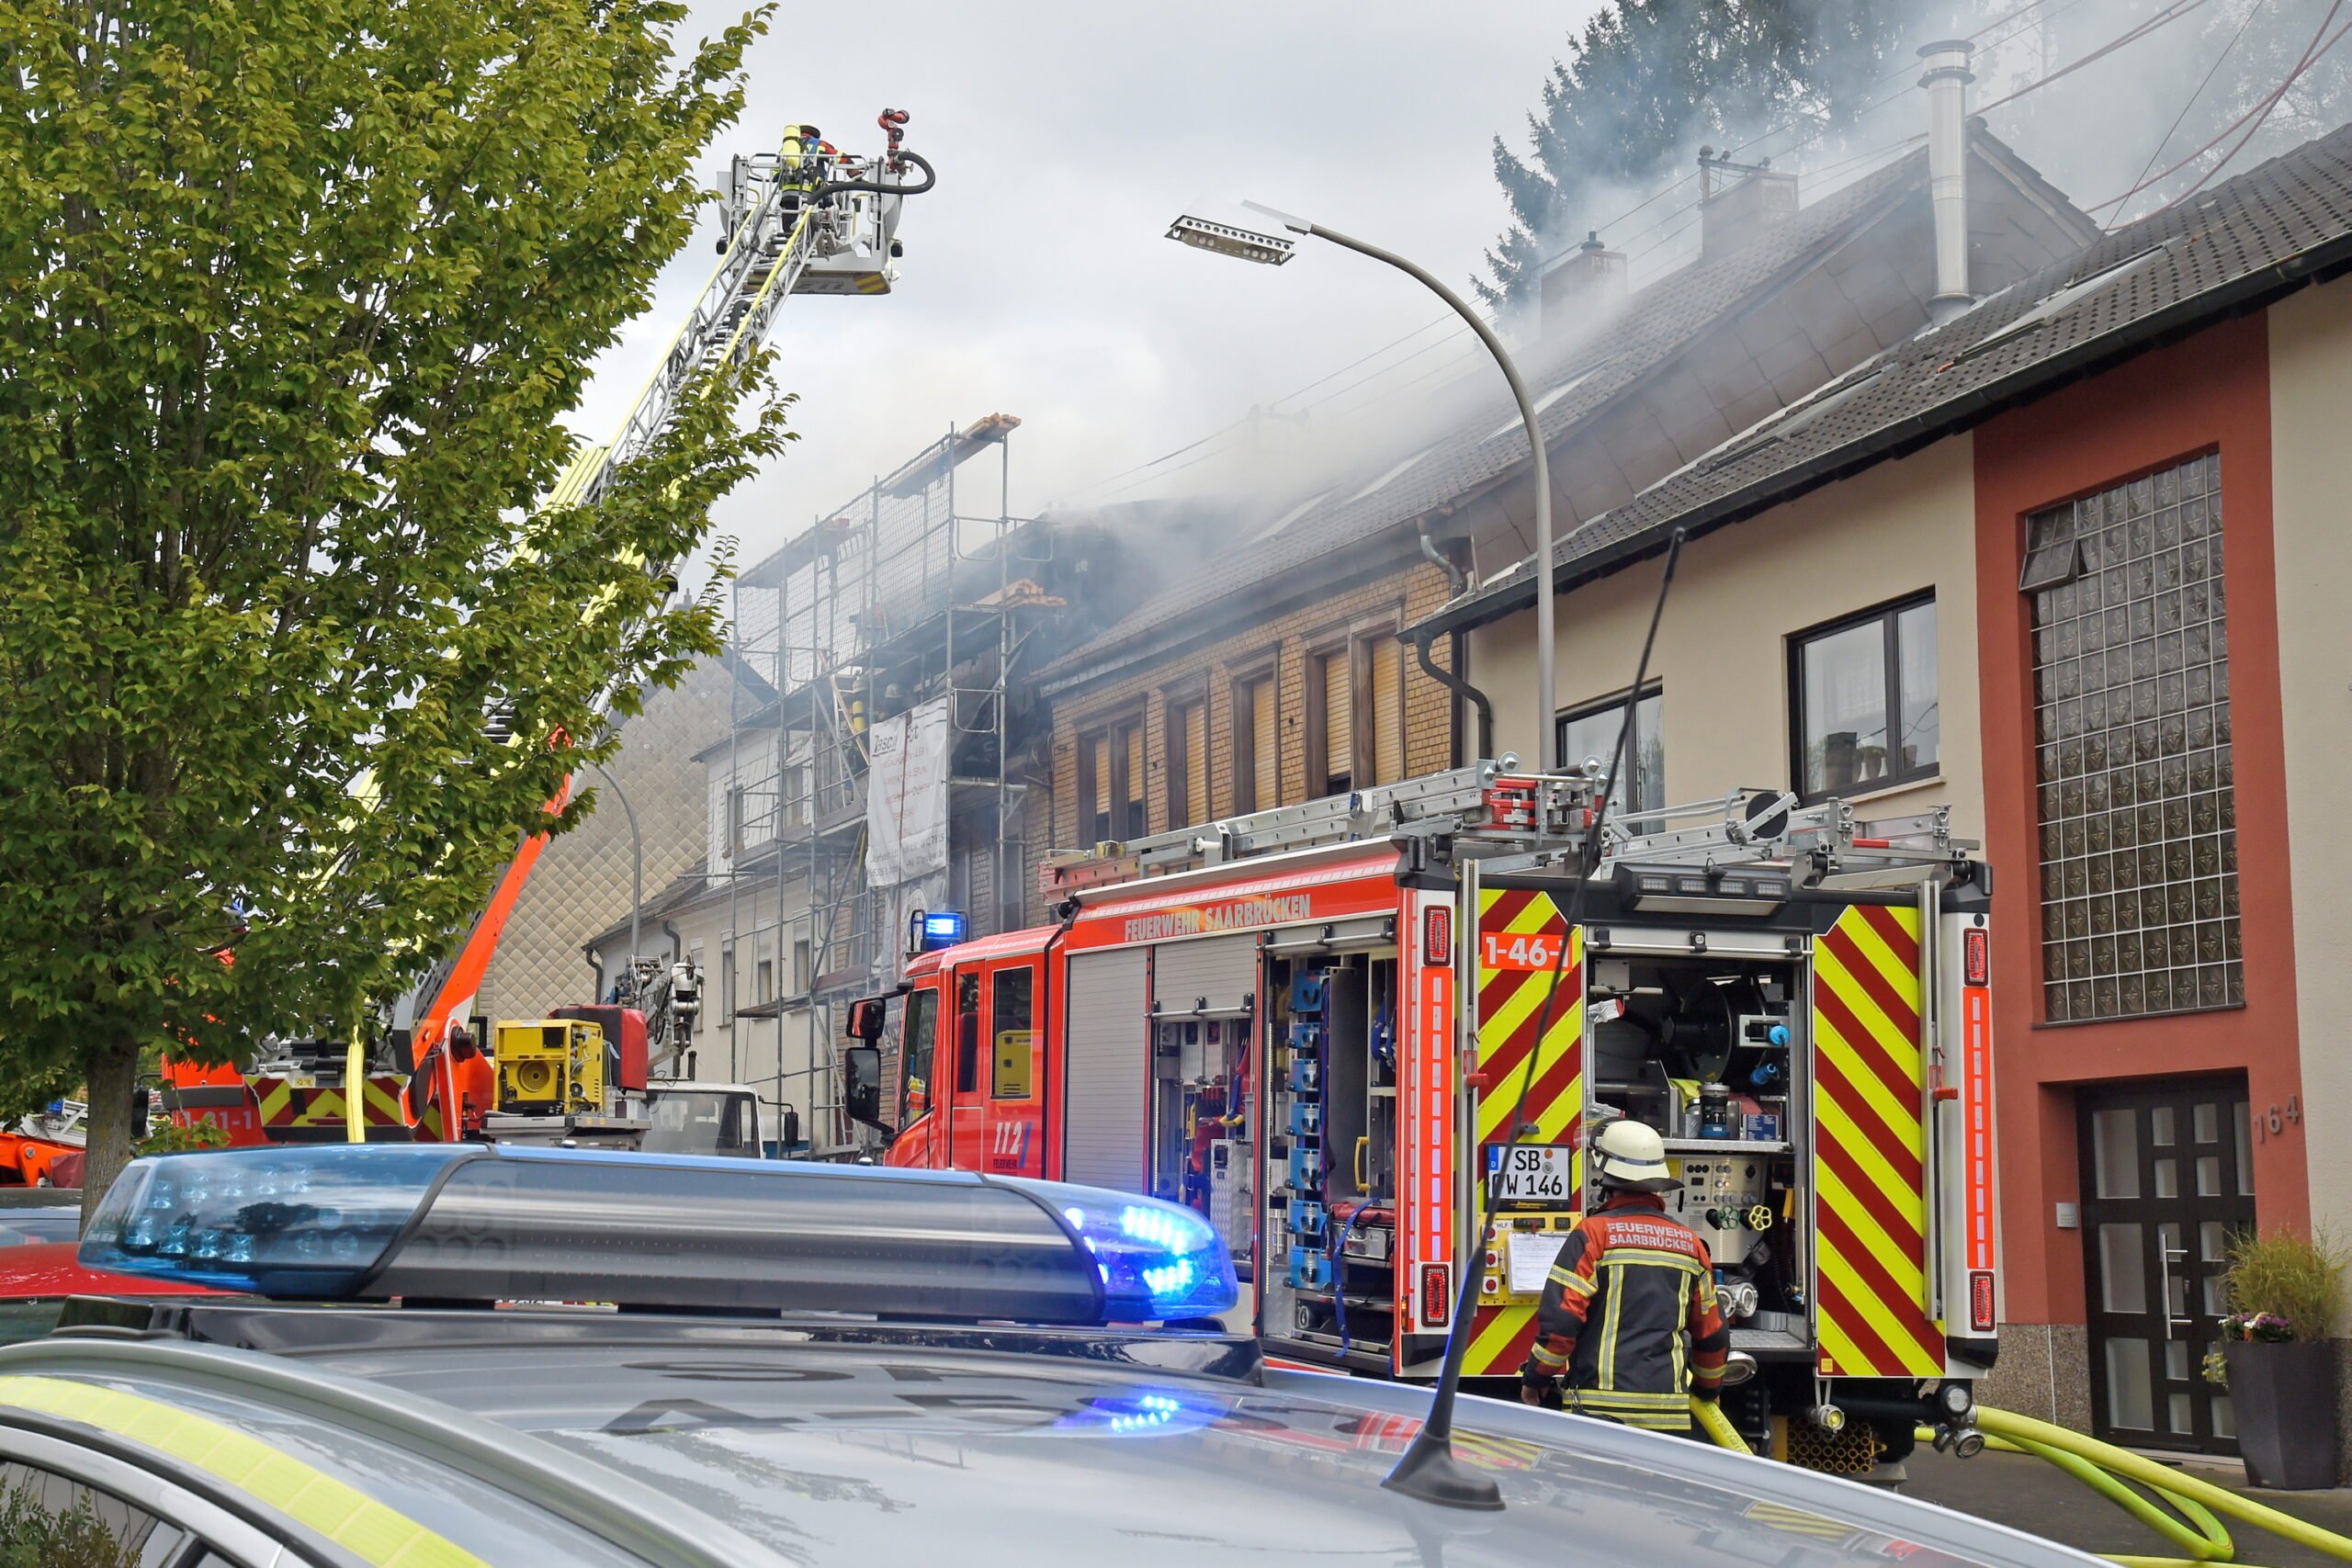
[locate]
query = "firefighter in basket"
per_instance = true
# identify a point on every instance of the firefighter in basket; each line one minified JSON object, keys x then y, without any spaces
{"x":1629,"y":1320}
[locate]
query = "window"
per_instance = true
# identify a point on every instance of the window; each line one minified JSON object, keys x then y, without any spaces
{"x":968,"y":1034}
{"x":1331,"y":724}
{"x":794,"y":789}
{"x":52,"y":1518}
{"x":802,"y":979}
{"x":764,"y":981}
{"x":1188,"y":762}
{"x":739,"y":819}
{"x":922,"y":1034}
{"x":1110,"y":783}
{"x":727,"y":983}
{"x":1011,"y":1026}
{"x":1257,"y":748}
{"x":1590,"y":734}
{"x":1381,"y":664}
{"x":1863,"y":701}
{"x":2137,"y":809}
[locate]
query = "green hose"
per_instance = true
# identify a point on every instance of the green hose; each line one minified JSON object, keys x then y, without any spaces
{"x":2209,"y":1543}
{"x":2159,"y":1478}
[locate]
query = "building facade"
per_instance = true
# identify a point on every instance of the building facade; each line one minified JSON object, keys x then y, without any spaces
{"x":2066,"y":566}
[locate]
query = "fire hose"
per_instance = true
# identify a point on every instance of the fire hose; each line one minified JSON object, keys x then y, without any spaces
{"x":2109,"y":1471}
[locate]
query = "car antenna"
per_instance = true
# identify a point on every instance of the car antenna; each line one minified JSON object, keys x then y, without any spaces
{"x":1427,"y":1469}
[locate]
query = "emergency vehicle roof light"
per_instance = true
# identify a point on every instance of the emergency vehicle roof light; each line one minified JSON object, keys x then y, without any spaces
{"x":508,"y":1222}
{"x":1701,"y":890}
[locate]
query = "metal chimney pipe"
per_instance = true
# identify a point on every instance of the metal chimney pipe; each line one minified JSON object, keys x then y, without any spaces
{"x":1947,"y":84}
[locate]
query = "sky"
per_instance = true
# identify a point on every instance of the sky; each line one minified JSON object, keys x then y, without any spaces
{"x":1037,"y":281}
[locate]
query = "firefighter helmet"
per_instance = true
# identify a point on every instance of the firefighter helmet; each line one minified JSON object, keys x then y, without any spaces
{"x":1631,"y":1157}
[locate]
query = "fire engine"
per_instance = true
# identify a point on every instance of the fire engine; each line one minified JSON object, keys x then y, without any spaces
{"x":1318,"y":1025}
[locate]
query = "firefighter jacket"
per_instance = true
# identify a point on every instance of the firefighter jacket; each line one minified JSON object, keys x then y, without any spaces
{"x":1629,"y":1315}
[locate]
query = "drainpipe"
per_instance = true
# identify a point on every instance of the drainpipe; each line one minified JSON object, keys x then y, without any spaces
{"x":1947,"y":84}
{"x":677,"y":942}
{"x":596,"y":967}
{"x":1460,"y":688}
{"x":1456,"y":580}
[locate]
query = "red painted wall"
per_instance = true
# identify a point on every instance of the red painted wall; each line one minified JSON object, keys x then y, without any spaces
{"x":2210,"y":391}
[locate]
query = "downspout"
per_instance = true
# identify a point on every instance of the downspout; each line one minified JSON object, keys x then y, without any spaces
{"x":1459,"y":581}
{"x":595,"y":968}
{"x":677,"y":942}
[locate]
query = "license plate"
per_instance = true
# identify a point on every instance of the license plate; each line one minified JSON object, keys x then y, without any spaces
{"x":1532,"y":1172}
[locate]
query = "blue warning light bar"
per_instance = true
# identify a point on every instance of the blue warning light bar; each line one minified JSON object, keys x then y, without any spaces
{"x":487,"y":1224}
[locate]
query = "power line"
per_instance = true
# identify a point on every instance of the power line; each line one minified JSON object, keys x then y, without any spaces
{"x":2261,"y":108}
{"x":2311,"y":53}
{"x":2158,"y":149}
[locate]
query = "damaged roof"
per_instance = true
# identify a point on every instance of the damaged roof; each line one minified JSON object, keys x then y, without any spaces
{"x":1583,"y":380}
{"x":2237,"y":248}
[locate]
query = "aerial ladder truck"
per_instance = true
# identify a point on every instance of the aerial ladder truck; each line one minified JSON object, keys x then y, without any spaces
{"x":807,"y":219}
{"x":1353,"y":1031}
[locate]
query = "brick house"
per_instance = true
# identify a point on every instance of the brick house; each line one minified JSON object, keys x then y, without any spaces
{"x":2071,"y":565}
{"x":1282,"y":669}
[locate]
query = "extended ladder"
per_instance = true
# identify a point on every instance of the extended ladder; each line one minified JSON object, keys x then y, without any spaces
{"x":1492,"y":811}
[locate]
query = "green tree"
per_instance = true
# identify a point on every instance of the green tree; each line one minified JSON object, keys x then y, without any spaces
{"x":1649,"y":81}
{"x":296,"y":293}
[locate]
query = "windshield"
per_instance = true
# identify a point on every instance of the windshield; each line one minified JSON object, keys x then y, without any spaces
{"x":701,"y":1122}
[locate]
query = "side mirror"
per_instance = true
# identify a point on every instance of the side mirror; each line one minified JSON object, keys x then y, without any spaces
{"x":1738,"y":1366}
{"x":866,"y":1019}
{"x":861,"y":1085}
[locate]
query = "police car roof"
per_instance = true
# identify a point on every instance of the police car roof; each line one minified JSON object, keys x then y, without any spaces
{"x":517,"y":1435}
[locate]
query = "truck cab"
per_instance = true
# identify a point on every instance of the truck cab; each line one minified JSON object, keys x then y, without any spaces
{"x":971,"y":1089}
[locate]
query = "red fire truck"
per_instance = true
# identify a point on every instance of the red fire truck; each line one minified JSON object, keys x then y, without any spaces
{"x":1318,"y":1026}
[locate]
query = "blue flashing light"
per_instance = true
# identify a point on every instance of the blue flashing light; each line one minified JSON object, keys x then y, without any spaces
{"x":1149,"y":1414}
{"x":1159,"y":1262}
{"x":279,"y":1221}
{"x":944,"y":928}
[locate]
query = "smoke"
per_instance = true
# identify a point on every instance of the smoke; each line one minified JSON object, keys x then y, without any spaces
{"x":2101,"y":95}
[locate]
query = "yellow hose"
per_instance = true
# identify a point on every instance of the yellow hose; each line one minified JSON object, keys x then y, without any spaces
{"x":1716,"y":1425}
{"x":2208,"y":1542}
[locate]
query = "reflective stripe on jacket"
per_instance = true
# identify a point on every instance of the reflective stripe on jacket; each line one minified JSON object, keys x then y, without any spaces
{"x":1629,"y":1314}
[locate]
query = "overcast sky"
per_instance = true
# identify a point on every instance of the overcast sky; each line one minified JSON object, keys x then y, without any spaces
{"x":1037,"y":279}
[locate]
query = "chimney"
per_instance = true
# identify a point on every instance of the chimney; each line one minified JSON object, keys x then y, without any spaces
{"x":1947,"y":83}
{"x":1587,"y":284}
{"x":1739,"y":201}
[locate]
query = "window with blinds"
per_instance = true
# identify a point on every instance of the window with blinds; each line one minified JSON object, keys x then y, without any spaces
{"x":1094,"y":788}
{"x":1257,"y":760}
{"x":1383,"y":683}
{"x":1332,"y":749}
{"x":1188,"y":764}
{"x":1132,"y":775}
{"x":2138,"y":812}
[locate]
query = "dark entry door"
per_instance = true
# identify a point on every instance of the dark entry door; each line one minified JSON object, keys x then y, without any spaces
{"x":2167,"y":1178}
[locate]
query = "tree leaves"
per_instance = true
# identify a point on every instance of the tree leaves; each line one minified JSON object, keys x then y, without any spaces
{"x":1648,"y":80}
{"x":296,"y":293}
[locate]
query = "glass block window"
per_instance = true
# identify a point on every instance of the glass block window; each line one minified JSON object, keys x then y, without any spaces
{"x":2138,"y":819}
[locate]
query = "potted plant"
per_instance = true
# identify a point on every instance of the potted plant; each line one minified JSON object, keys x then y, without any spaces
{"x":2279,"y":1368}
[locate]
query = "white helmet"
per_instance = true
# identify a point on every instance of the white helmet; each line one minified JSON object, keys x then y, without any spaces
{"x":1628,"y":1155}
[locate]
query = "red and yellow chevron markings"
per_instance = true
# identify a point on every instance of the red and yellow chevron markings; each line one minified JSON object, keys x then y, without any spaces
{"x":1519,"y":934}
{"x":1869,"y":1166}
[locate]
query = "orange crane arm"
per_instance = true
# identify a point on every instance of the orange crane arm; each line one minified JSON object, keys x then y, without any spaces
{"x":458,"y":991}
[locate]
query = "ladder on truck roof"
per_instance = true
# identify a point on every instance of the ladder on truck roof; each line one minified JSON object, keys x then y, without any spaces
{"x":1529,"y":821}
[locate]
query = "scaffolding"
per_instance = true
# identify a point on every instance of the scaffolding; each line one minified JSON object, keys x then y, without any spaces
{"x":921,"y":588}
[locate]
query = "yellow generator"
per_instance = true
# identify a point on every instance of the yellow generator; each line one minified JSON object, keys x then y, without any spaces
{"x":549,"y":1067}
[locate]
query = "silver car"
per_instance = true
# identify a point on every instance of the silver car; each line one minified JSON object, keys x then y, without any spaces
{"x":627,"y":1359}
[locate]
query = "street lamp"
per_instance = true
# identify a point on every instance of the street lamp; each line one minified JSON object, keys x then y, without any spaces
{"x":1272,"y":250}
{"x":636,"y":874}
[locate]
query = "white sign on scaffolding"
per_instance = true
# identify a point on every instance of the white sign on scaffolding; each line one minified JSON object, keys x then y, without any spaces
{"x":906,"y":801}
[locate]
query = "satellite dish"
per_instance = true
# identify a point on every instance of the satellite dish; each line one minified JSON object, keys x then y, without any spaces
{"x":1768,"y":817}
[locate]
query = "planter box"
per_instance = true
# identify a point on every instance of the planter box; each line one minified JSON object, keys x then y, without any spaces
{"x":2284,"y":1396}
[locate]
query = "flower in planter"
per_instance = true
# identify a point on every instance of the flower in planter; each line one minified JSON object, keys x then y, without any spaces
{"x":2217,"y":1369}
{"x":2262,"y":1327}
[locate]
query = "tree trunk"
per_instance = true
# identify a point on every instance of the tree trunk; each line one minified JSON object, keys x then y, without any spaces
{"x":113,"y":1077}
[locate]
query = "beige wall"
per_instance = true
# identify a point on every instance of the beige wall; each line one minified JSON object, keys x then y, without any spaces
{"x":1738,"y":596}
{"x":2311,"y":388}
